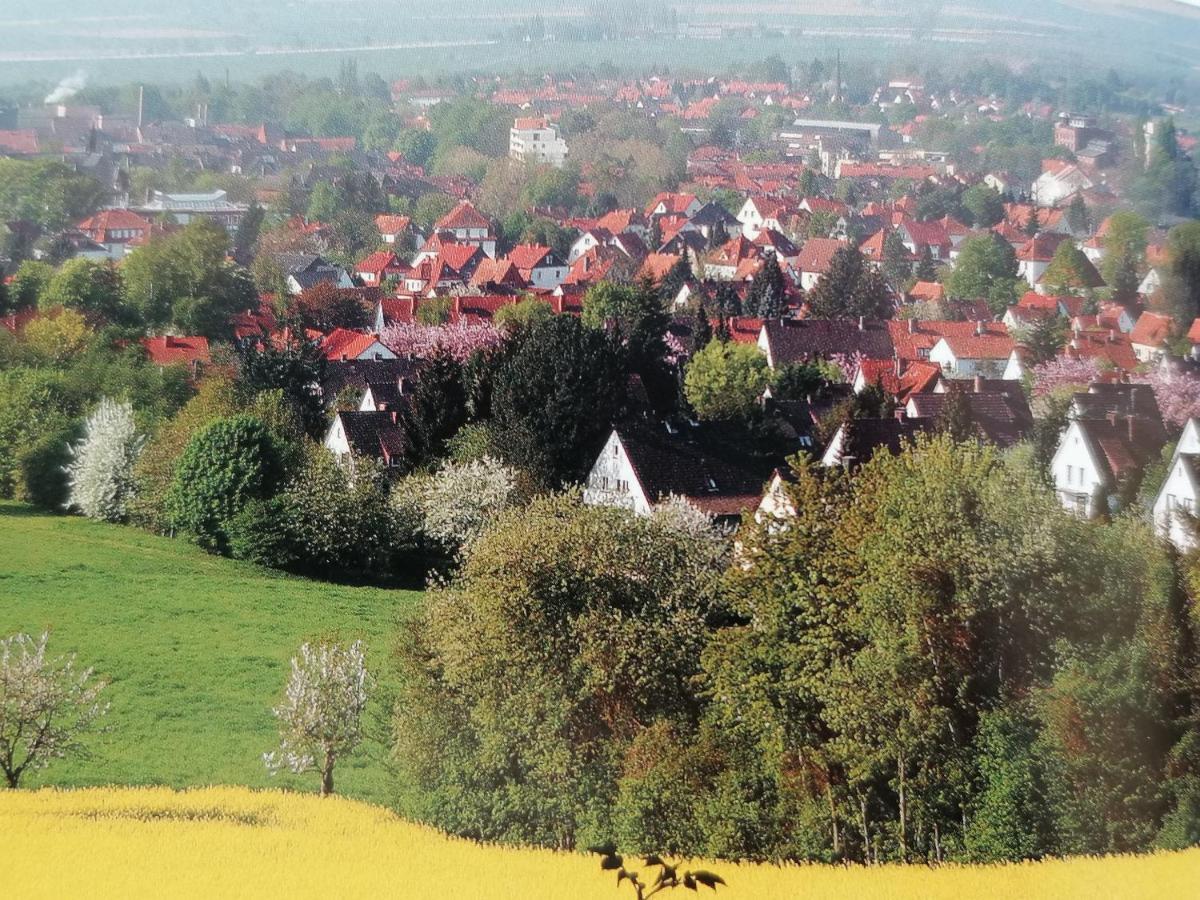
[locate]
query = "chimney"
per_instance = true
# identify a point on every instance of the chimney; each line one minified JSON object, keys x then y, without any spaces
{"x":979,"y":384}
{"x":141,"y":106}
{"x":395,"y":417}
{"x":979,"y":327}
{"x":1112,"y":335}
{"x":862,"y":323}
{"x":1131,"y":423}
{"x":912,"y":326}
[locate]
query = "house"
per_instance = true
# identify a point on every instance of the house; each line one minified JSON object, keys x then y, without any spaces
{"x":917,"y":237}
{"x":1001,"y":418}
{"x":344,"y":344}
{"x":815,"y":258}
{"x":539,"y":266}
{"x":372,"y":434}
{"x":671,"y":204}
{"x":857,"y":440}
{"x":393,"y":229}
{"x":114,"y":230}
{"x":724,"y":263}
{"x":763,"y":212}
{"x":375,"y":268}
{"x":1058,"y":181}
{"x":1111,"y":316}
{"x":305,"y":270}
{"x":468,"y":225}
{"x":356,"y":375}
{"x":394,"y":311}
{"x":1034,"y":256}
{"x":640,"y":467}
{"x":927,"y":292}
{"x":1150,"y":335}
{"x":172,"y":350}
{"x":1176,"y":506}
{"x":536,"y":140}
{"x":1113,"y":430}
{"x":789,"y":341}
{"x":772,"y":243}
{"x":715,"y":223}
{"x":982,"y":352}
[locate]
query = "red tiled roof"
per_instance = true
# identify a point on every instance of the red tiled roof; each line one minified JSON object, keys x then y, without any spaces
{"x":528,"y":256}
{"x":97,"y":227}
{"x":392,"y":224}
{"x":457,"y":256}
{"x":1041,"y":248}
{"x":379,"y":262}
{"x":817,"y":253}
{"x":24,"y":142}
{"x":344,"y":343}
{"x":1151,"y":329}
{"x":657,"y":265}
{"x":169,"y":350}
{"x":464,"y":215}
{"x":927,"y":291}
{"x":910,"y":336}
{"x":398,"y":309}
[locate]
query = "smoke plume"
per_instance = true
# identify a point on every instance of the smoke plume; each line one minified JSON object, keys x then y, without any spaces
{"x":68,"y":87}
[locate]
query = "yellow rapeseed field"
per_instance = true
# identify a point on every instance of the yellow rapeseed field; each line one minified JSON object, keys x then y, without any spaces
{"x":232,"y":842}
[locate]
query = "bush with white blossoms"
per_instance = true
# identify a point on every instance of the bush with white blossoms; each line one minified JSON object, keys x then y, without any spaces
{"x":320,"y":717}
{"x":100,"y":474}
{"x":679,"y":515}
{"x":462,"y":499}
{"x":46,"y":705}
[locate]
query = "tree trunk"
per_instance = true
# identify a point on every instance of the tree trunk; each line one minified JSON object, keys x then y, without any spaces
{"x":837,"y":843}
{"x":903,"y":810}
{"x":327,"y":774}
{"x":866,"y":831}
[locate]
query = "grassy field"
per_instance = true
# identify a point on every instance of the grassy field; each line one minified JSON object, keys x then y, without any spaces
{"x":196,"y":649}
{"x":230,"y":842}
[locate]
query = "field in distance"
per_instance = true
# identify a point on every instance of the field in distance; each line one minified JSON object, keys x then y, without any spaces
{"x":222,"y":842}
{"x":196,"y":648}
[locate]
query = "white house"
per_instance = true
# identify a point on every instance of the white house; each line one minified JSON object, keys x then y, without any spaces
{"x":468,"y":226}
{"x":613,"y":481}
{"x":536,"y":140}
{"x":1058,"y":182}
{"x":991,"y":356}
{"x":1178,"y":498}
{"x":1081,"y":474}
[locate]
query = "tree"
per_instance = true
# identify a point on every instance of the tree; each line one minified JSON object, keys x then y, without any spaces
{"x":768,"y":290}
{"x":85,"y":285}
{"x":293,"y":367}
{"x":225,"y":466}
{"x":1069,"y":271}
{"x":1032,"y":224}
{"x":1182,"y":287}
{"x":896,"y":262}
{"x":1124,"y":254}
{"x":955,"y":419}
{"x":585,"y":625}
{"x":462,"y":499}
{"x":184,"y":280}
{"x":248,"y":231}
{"x":851,"y":287}
{"x":100,"y":473}
{"x":320,"y":716}
{"x":1046,"y":339}
{"x":324,"y":307}
{"x":984,"y":204}
{"x":522,"y":314}
{"x":58,"y":337}
{"x":437,"y":410}
{"x":926,"y":269}
{"x":1079,"y":220}
{"x":46,"y":706}
{"x":557,"y":389}
{"x":702,"y":330}
{"x":725,"y":381}
{"x":30,"y":281}
{"x":986,"y":267}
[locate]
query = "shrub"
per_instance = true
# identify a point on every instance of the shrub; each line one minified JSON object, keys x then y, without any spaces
{"x":225,"y":466}
{"x":725,"y":381}
{"x":101,"y":469}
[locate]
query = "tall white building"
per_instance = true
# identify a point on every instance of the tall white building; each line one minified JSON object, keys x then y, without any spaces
{"x":536,"y":140}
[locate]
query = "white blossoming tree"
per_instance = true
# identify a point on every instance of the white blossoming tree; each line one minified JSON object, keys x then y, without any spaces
{"x":460,"y":500}
{"x":100,"y":474}
{"x":320,"y":718}
{"x":46,"y":705}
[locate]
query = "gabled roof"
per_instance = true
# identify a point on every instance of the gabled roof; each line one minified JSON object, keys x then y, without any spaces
{"x":911,"y":336}
{"x":717,"y":479}
{"x":392,"y":224}
{"x":1151,"y":329}
{"x":341,"y":374}
{"x":783,"y":247}
{"x":342,"y":343}
{"x":734,"y":251}
{"x":379,"y":262}
{"x":374,"y":434}
{"x":793,"y":341}
{"x":98,"y":225}
{"x":464,"y":215}
{"x":657,"y":265}
{"x":1041,"y":247}
{"x":927,"y":291}
{"x":817,"y":253}
{"x":861,"y":439}
{"x":1003,"y":419}
{"x":530,"y":256}
{"x":398,"y":310}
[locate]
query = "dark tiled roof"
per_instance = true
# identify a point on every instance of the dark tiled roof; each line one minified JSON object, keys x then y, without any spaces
{"x":358,"y":373}
{"x":1002,"y":418}
{"x":1103,"y":399}
{"x":865,"y":437}
{"x":377,"y":435}
{"x":799,"y":340}
{"x":715,"y":477}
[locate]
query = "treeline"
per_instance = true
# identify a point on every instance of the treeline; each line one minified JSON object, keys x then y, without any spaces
{"x":930,"y":661}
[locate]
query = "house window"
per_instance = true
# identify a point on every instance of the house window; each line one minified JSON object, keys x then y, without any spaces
{"x":1070,"y":474}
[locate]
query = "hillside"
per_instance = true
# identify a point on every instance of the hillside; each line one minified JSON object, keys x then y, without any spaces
{"x":196,"y":648}
{"x":224,"y":842}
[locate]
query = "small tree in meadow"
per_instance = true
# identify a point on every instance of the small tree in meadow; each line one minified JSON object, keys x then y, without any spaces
{"x":100,"y":474}
{"x":46,"y":705}
{"x":320,"y":717}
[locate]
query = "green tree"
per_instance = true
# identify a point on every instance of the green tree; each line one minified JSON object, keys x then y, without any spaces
{"x":926,"y":268}
{"x":85,"y":285}
{"x":292,"y":367}
{"x":1069,"y":270}
{"x":228,"y":464}
{"x":896,"y":262}
{"x":768,"y":291}
{"x":725,"y":381}
{"x":1045,"y":339}
{"x":984,"y":204}
{"x":985,"y":263}
{"x":1182,"y":287}
{"x":1124,"y":254}
{"x":1079,"y":219}
{"x":185,"y":280}
{"x":437,"y":410}
{"x":585,"y":624}
{"x":557,"y":389}
{"x":29,"y":283}
{"x":850,"y":288}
